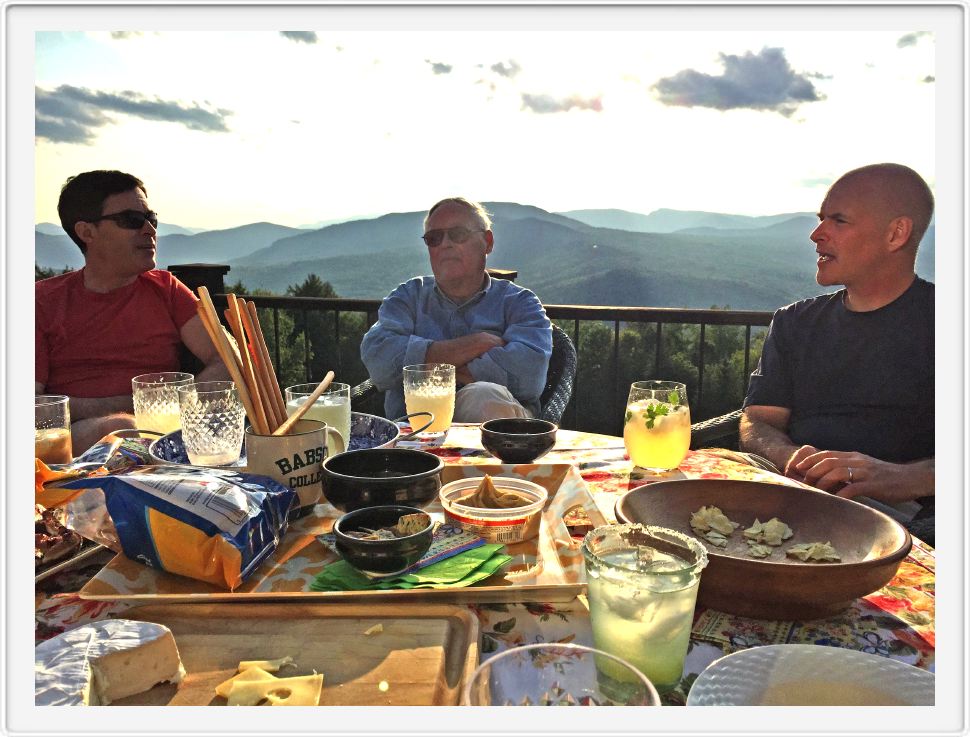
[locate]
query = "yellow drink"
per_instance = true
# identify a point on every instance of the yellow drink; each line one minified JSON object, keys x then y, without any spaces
{"x":665,"y":444}
{"x":333,"y":410}
{"x":439,"y":400}
{"x":53,"y":445}
{"x":163,"y":419}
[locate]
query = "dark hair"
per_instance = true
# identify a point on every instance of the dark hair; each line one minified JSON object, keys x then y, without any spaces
{"x":82,"y":197}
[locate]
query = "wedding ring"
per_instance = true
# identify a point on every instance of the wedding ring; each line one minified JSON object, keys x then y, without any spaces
{"x":850,"y":474}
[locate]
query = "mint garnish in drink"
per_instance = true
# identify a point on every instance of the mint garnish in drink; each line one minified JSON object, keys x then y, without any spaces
{"x":653,"y":411}
{"x":674,"y":398}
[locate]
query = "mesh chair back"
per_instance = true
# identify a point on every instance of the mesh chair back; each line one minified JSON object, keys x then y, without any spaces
{"x":559,"y":377}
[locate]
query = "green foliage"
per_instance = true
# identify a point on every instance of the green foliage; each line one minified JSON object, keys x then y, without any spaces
{"x":41,"y":272}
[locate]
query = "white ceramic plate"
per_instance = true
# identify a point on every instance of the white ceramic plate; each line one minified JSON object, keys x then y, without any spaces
{"x":811,"y":675}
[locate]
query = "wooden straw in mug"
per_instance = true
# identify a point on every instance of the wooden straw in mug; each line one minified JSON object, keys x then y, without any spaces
{"x":249,"y":375}
{"x":266,"y":392}
{"x":210,"y":318}
{"x":285,"y":428}
{"x":276,"y":394}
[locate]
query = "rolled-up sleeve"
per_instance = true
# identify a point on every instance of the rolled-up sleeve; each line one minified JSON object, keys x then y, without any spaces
{"x":390,"y":344}
{"x":521,"y":364}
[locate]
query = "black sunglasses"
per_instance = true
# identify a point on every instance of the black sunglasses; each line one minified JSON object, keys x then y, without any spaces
{"x":458,"y":234}
{"x":130,"y":219}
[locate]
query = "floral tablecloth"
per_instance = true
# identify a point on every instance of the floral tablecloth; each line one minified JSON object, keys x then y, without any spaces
{"x":897,"y":621}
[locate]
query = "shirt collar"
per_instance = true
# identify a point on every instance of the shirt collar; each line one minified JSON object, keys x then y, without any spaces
{"x":486,"y":285}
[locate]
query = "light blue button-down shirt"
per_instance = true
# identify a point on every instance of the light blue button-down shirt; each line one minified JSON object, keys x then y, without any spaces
{"x":417,"y":313}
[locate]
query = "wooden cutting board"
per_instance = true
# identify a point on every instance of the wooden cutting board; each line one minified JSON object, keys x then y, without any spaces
{"x":422,"y":657}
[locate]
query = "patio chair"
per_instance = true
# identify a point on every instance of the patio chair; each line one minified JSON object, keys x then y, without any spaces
{"x":554,"y":398}
{"x":722,"y":432}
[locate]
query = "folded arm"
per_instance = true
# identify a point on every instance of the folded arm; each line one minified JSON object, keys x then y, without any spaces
{"x":764,"y":430}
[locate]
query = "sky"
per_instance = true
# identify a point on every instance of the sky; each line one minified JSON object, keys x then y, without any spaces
{"x":302,"y":127}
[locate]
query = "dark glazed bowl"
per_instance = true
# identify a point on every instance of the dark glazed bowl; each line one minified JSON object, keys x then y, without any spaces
{"x":380,"y":557}
{"x":376,"y":476}
{"x":518,"y":440}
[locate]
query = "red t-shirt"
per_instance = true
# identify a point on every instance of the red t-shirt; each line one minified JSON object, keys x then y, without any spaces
{"x":91,"y":345}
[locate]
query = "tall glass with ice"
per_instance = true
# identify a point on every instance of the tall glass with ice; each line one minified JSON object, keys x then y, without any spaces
{"x":156,"y":401}
{"x":642,"y":586}
{"x":52,"y":428}
{"x":656,"y":426}
{"x":430,"y":387}
{"x":332,"y":407}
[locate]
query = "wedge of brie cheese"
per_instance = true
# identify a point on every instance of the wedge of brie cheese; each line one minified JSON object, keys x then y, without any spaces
{"x":104,"y":661}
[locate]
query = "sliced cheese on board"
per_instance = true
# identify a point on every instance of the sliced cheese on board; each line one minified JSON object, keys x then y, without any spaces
{"x":249,"y":674}
{"x":104,"y":661}
{"x":295,"y":691}
{"x":268,"y":665}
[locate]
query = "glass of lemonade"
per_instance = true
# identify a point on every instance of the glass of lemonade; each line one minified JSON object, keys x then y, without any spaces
{"x":333,"y":406}
{"x":52,"y":428}
{"x":156,"y":401}
{"x":656,"y":427}
{"x":430,"y":387}
{"x":212,"y":422}
{"x":642,"y":586}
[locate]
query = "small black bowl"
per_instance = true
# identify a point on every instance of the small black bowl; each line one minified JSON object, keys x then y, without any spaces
{"x":376,"y":476}
{"x":518,"y":439}
{"x":380,"y":557}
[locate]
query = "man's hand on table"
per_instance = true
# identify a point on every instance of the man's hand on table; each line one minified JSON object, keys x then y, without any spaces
{"x":828,"y":470}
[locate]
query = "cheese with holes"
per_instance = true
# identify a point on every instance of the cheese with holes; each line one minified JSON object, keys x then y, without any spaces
{"x":104,"y":661}
{"x":248,"y":674}
{"x":269,"y":665}
{"x":295,"y":691}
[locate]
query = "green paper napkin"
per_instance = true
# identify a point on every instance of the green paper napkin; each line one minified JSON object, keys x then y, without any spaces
{"x":460,"y":570}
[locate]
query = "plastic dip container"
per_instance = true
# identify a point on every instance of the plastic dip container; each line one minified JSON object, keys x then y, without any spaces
{"x":510,"y":525}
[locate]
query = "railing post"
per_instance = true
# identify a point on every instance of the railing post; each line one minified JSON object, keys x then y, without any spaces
{"x":194,"y":276}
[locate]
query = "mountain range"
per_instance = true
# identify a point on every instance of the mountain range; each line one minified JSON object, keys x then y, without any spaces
{"x":667,"y":258}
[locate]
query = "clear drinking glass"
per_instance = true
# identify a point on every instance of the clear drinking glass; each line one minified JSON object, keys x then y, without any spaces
{"x":52,"y":428}
{"x":212,"y":422}
{"x":656,"y":426}
{"x":642,"y":586}
{"x":557,"y":674}
{"x":156,"y":400}
{"x":430,"y":387}
{"x":333,"y":406}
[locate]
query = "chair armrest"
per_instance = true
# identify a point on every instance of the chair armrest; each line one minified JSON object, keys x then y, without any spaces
{"x":716,"y":432}
{"x":361,"y":393}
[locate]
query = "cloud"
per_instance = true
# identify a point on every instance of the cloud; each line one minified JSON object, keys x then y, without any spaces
{"x":818,"y":182}
{"x":763,"y":81}
{"x":439,"y":67}
{"x":549,"y":104}
{"x":506,"y":69}
{"x":71,"y":114}
{"x":910,"y":39}
{"x":304,"y":37}
{"x":929,"y":79}
{"x":126,"y":34}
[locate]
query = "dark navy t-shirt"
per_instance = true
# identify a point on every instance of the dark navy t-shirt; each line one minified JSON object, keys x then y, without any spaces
{"x":854,"y":381}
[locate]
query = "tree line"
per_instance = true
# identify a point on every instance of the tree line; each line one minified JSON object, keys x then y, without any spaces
{"x":305,"y":344}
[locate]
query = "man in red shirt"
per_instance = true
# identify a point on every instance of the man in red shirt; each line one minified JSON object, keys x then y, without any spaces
{"x":118,"y":316}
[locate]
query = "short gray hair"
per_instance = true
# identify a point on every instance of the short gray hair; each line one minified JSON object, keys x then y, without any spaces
{"x":475,"y":208}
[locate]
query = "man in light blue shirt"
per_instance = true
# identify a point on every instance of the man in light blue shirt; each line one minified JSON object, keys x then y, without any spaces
{"x":494,"y":332}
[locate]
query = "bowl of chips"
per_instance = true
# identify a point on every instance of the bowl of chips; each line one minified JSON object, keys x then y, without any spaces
{"x":775,"y":551}
{"x":499,"y":509}
{"x":384,"y":540}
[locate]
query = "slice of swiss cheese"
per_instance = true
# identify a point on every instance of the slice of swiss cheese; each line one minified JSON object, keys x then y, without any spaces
{"x":295,"y":691}
{"x":104,"y":661}
{"x":249,"y":674}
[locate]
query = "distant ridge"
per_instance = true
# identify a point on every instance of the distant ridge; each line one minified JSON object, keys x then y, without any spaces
{"x":668,"y":221}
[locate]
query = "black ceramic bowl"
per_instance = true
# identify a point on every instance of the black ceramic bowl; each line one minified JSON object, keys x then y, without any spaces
{"x":380,"y":557}
{"x":518,"y":440}
{"x":376,"y":476}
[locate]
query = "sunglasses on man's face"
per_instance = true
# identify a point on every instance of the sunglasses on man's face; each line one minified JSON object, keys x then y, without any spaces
{"x":130,"y":219}
{"x":458,"y":234}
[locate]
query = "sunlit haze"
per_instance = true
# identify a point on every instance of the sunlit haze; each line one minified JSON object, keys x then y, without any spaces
{"x":228,"y":128}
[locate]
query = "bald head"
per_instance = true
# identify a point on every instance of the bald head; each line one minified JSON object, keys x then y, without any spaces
{"x":893,"y":191}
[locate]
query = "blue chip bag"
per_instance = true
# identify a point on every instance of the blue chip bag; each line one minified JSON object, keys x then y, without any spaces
{"x":214,"y":525}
